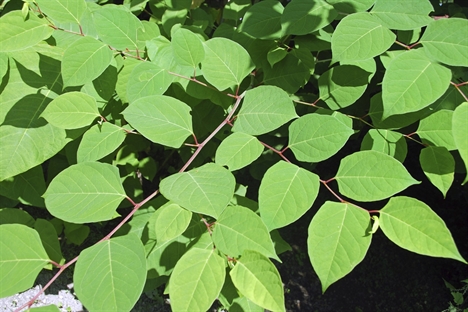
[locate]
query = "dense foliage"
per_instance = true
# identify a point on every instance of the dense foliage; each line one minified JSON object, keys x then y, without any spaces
{"x":167,"y":115}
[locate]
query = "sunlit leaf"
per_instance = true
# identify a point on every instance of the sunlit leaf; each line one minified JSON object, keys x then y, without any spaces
{"x":439,"y":166}
{"x":403,"y":14}
{"x":459,"y":130}
{"x":436,"y":129}
{"x":238,"y":150}
{"x":147,"y":79}
{"x":385,"y":141}
{"x":187,"y":47}
{"x":68,"y":11}
{"x":170,"y":221}
{"x":99,"y":141}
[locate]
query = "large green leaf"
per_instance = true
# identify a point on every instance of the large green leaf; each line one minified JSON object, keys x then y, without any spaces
{"x":343,"y":85}
{"x":27,"y":187}
{"x":117,"y":27}
{"x":412,"y":82}
{"x":19,"y":34}
{"x":443,"y":41}
{"x":460,"y":129}
{"x":337,"y":240}
{"x":187,"y":47}
{"x":197,"y":280}
{"x":436,"y":129}
{"x":110,"y":275}
{"x":226,"y":63}
{"x":98,"y":141}
{"x":22,"y":257}
{"x":169,"y":222}
{"x":263,"y":20}
{"x":315,"y":137}
{"x":68,"y":11}
{"x":238,"y":150}
{"x":239,"y":229}
{"x":286,"y":193}
{"x":371,"y":176}
{"x":439,"y":166}
{"x":359,"y":37}
{"x":302,"y":17}
{"x":84,"y":60}
{"x":207,"y":189}
{"x":385,"y":141}
{"x":264,"y":109}
{"x":403,"y":14}
{"x":71,"y":110}
{"x":257,"y":278}
{"x":161,"y":119}
{"x":147,"y":79}
{"x":412,"y":225}
{"x":86,"y":192}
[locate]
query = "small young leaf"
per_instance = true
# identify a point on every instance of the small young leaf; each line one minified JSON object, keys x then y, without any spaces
{"x":197,"y":280}
{"x":403,"y":14}
{"x":436,"y":129}
{"x":86,"y":192}
{"x":315,"y":137}
{"x":371,"y":176}
{"x":69,"y":11}
{"x":161,"y":119}
{"x":337,"y":240}
{"x":21,"y":255}
{"x":443,"y":42}
{"x":71,"y":110}
{"x":99,"y":141}
{"x":226,"y":63}
{"x":239,"y":229}
{"x":147,"y":79}
{"x":412,"y":225}
{"x":207,"y":189}
{"x":286,"y":193}
{"x":257,"y":278}
{"x":238,"y":150}
{"x":84,"y":60}
{"x":169,"y":222}
{"x":263,"y":20}
{"x":264,"y":109}
{"x":19,"y":34}
{"x":439,"y":167}
{"x":412,"y":82}
{"x":387,"y":142}
{"x":459,"y":130}
{"x":359,"y":37}
{"x":302,"y":17}
{"x":110,"y":275}
{"x":187,"y":47}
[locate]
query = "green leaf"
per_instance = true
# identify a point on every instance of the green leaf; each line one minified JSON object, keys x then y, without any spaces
{"x":387,"y":142}
{"x":48,"y":308}
{"x":161,"y":119}
{"x":123,"y":77}
{"x":439,"y":167}
{"x":84,"y":60}
{"x":69,"y":11}
{"x":337,"y":240}
{"x":239,"y":229}
{"x":315,"y":137}
{"x":263,"y":20}
{"x":289,"y":74}
{"x":15,"y":215}
{"x":117,"y":27}
{"x":345,"y":6}
{"x":257,"y":278}
{"x":226,"y":63}
{"x":19,"y":34}
{"x":436,"y":129}
{"x":207,"y":189}
{"x":264,"y":109}
{"x":197,"y":280}
{"x":49,"y":239}
{"x":238,"y":150}
{"x":71,"y":110}
{"x":110,"y":275}
{"x":242,"y":304}
{"x":3,"y":64}
{"x":412,"y":82}
{"x":147,"y":79}
{"x":403,"y":14}
{"x":21,"y":255}
{"x":99,"y":141}
{"x":187,"y":47}
{"x":442,"y":41}
{"x":359,"y":37}
{"x":459,"y":130}
{"x":276,"y":55}
{"x":27,"y":187}
{"x":343,"y":85}
{"x":412,"y":225}
{"x":86,"y":192}
{"x":302,"y":17}
{"x":286,"y":193}
{"x":371,"y":176}
{"x":170,"y":221}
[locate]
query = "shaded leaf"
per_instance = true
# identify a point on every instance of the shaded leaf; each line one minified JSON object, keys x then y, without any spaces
{"x":49,"y":239}
{"x":263,"y":20}
{"x":387,"y":142}
{"x":170,"y":221}
{"x":302,"y":17}
{"x":289,"y":74}
{"x":27,"y":187}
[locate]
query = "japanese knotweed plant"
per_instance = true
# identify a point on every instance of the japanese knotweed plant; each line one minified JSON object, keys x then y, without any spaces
{"x":175,"y":108}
